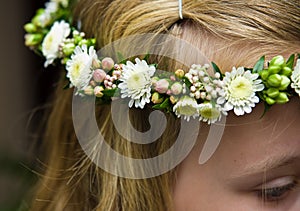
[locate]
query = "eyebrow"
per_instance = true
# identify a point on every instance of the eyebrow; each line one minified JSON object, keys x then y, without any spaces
{"x":268,"y":164}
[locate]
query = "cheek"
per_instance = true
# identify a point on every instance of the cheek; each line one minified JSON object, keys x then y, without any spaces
{"x":203,"y":187}
{"x":200,"y":189}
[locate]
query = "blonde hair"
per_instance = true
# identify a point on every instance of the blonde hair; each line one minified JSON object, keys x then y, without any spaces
{"x":229,"y":33}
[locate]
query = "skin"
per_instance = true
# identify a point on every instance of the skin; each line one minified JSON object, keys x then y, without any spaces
{"x":254,"y":153}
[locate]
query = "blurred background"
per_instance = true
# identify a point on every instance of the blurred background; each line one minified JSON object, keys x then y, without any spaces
{"x":24,"y":88}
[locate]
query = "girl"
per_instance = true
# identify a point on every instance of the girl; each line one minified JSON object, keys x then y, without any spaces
{"x":256,"y":166}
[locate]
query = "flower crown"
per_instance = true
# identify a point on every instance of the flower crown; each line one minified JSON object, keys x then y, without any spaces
{"x":195,"y":94}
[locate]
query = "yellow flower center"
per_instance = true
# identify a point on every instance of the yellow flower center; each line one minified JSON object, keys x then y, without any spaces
{"x":241,"y":87}
{"x":77,"y":66}
{"x":209,"y":113}
{"x":187,"y":110}
{"x":137,"y":81}
{"x":48,"y":43}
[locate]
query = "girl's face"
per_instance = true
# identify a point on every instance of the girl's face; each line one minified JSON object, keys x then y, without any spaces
{"x":256,"y":166}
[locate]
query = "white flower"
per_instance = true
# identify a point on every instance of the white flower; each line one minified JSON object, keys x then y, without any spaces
{"x":209,"y":113}
{"x":45,"y":18}
{"x":79,"y":66}
{"x":186,"y":107}
{"x":50,"y":46}
{"x":136,"y":82}
{"x":239,"y":88}
{"x":64,"y":3}
{"x":296,"y":78}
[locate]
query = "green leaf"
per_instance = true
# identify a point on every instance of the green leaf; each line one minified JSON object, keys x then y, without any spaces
{"x":217,"y":69}
{"x":266,"y":108}
{"x":67,"y":86}
{"x":121,"y":58}
{"x":157,"y":106}
{"x":290,"y":61}
{"x":186,"y":81}
{"x":155,"y":65}
{"x":259,"y":66}
{"x":109,"y":92}
{"x":164,"y":105}
{"x":146,"y":58}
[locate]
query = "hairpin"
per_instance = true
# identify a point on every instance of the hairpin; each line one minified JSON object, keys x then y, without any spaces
{"x":180,"y":9}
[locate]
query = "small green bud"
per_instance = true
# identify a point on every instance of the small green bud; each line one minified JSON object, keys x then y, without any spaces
{"x":272,"y":92}
{"x":156,"y":98}
{"x":264,"y":74}
{"x":179,"y":73}
{"x":64,"y":60}
{"x":270,"y":101}
{"x":33,"y":39}
{"x":77,"y":39}
{"x":83,"y":42}
{"x":68,"y":49}
{"x":285,"y":82}
{"x":98,"y":91}
{"x":154,"y":80}
{"x":92,"y":41}
{"x":96,"y":63}
{"x":277,"y":61}
{"x":274,"y":80}
{"x":174,"y":99}
{"x":286,"y":71}
{"x":37,"y":18}
{"x":107,"y":63}
{"x":89,"y":90}
{"x":282,"y":98}
{"x":176,"y":88}
{"x":40,"y":11}
{"x":30,"y":28}
{"x":162,"y":86}
{"x":274,"y":69}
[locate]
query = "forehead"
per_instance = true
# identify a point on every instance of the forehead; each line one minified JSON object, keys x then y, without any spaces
{"x":276,"y":122}
{"x":254,"y":139}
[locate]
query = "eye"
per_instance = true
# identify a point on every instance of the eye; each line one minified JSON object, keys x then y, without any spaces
{"x":276,"y":193}
{"x":277,"y":189}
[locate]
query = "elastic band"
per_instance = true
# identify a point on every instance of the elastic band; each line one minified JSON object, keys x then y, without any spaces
{"x":180,"y":9}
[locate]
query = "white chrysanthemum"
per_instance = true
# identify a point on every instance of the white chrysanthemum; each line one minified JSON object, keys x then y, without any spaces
{"x":136,"y":82}
{"x":45,"y":18}
{"x":186,"y":107}
{"x":56,"y":35}
{"x":296,"y":78}
{"x":240,"y":87}
{"x":79,"y":66}
{"x":209,"y":113}
{"x":64,"y":3}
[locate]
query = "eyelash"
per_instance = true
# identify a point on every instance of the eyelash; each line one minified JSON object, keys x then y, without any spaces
{"x":276,"y":194}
